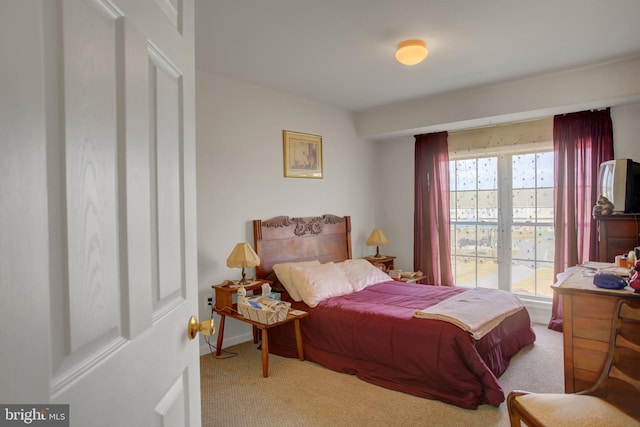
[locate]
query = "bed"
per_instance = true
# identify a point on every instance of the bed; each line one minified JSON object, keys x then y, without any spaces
{"x":373,"y":332}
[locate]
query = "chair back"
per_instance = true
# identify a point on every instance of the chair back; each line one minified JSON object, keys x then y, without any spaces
{"x":619,"y":382}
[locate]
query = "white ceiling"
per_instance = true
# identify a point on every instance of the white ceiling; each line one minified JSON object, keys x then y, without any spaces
{"x":341,"y":52}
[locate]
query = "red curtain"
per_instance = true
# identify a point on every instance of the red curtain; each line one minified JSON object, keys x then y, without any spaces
{"x":431,"y":244}
{"x":581,"y":142}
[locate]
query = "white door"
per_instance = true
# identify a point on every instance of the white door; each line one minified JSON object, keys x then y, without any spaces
{"x":97,"y":210}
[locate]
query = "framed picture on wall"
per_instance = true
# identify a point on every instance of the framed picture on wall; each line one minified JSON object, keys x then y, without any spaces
{"x":302,"y":155}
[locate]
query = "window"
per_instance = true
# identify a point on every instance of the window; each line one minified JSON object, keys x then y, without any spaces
{"x":502,"y":217}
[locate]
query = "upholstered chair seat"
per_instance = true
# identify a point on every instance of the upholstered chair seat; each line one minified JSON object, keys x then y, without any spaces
{"x":614,"y":400}
{"x":555,"y":409}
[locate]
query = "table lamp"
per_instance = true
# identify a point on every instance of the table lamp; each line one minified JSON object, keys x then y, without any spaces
{"x":243,"y":256}
{"x":377,"y":239}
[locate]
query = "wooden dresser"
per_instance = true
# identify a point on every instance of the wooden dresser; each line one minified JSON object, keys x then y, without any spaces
{"x":587,"y":316}
{"x":617,"y":235}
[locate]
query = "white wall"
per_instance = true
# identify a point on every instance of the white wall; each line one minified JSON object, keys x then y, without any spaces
{"x":398,"y":222}
{"x":240,"y":165}
{"x":626,"y":131}
{"x":394,"y":160}
{"x":398,"y":153}
{"x":240,"y":174}
{"x":392,"y":127}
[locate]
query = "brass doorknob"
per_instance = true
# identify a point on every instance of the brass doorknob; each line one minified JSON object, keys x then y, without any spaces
{"x":207,"y":327}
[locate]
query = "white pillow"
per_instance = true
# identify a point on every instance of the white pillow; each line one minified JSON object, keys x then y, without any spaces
{"x":319,"y":282}
{"x":361,"y":273}
{"x":283,"y":271}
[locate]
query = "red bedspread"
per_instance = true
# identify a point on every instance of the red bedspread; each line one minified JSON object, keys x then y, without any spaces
{"x":373,"y":334}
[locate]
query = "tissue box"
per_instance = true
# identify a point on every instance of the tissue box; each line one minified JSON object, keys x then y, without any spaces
{"x":273,"y":295}
{"x":273,"y":311}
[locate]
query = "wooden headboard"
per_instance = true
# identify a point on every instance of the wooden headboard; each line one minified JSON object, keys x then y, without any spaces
{"x":283,"y":239}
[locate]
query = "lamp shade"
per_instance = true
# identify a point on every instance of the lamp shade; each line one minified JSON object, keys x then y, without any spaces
{"x":411,"y":52}
{"x":377,"y":238}
{"x":243,"y":256}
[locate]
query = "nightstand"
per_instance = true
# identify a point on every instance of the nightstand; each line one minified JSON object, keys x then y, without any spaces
{"x":387,"y":262}
{"x":225,"y":307}
{"x":224,"y":292}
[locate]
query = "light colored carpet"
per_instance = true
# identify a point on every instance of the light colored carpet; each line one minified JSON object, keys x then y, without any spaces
{"x":296,"y":393}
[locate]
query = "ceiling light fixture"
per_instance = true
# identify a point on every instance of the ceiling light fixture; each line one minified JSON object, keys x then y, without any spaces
{"x":411,"y":52}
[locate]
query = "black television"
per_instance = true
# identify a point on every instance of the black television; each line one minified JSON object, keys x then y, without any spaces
{"x":619,"y":181}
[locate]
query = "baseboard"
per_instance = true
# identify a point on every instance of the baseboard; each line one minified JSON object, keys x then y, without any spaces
{"x":539,"y":311}
{"x":228,"y":342}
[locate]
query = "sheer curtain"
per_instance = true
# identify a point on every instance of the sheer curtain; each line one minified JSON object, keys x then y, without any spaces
{"x":431,"y":247}
{"x":581,"y":142}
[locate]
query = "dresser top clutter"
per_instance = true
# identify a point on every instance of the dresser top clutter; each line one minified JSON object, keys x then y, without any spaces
{"x":580,"y":278}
